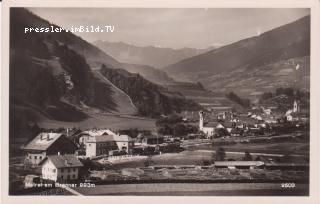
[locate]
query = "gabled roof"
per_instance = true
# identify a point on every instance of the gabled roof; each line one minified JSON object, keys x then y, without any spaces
{"x":98,"y":132}
{"x":60,"y":161}
{"x":102,"y":138}
{"x":122,"y":138}
{"x":153,"y":136}
{"x":212,"y":124}
{"x":43,"y":141}
{"x":229,"y":124}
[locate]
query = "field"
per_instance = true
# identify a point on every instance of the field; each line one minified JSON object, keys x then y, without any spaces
{"x":200,"y":95}
{"x":295,"y":148}
{"x":114,"y":122}
{"x":193,"y":189}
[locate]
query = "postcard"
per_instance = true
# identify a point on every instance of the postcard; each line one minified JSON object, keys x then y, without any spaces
{"x":160,"y":101}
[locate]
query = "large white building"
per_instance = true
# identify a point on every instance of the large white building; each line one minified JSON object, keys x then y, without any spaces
{"x":209,"y":131}
{"x":85,"y":135}
{"x":47,"y":144}
{"x":61,"y":168}
{"x":124,"y":143}
{"x":100,"y":145}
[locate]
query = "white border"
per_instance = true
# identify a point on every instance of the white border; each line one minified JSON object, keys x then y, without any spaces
{"x":315,"y":94}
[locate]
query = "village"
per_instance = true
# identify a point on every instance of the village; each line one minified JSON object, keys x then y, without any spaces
{"x":216,"y":148}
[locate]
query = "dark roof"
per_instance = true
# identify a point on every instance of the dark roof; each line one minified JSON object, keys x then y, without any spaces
{"x":212,"y":124}
{"x":153,"y":136}
{"x":229,"y":124}
{"x":60,"y":161}
{"x":102,"y":138}
{"x":43,"y":141}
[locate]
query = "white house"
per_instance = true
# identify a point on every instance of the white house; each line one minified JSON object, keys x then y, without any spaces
{"x":100,"y":145}
{"x":124,"y":143}
{"x":61,"y":168}
{"x":47,"y":144}
{"x":209,"y":131}
{"x":85,"y":135}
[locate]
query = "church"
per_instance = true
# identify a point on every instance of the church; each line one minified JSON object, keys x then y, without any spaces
{"x":209,"y":131}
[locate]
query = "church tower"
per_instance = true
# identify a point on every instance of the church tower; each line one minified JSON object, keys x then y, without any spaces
{"x":201,"y":120}
{"x":296,"y":106}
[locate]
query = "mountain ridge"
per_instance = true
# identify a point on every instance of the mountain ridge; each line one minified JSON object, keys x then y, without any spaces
{"x":60,"y":72}
{"x":280,"y":44}
{"x":153,"y":56}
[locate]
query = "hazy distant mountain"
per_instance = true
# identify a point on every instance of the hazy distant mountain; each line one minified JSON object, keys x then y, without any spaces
{"x":153,"y":56}
{"x":254,"y":64}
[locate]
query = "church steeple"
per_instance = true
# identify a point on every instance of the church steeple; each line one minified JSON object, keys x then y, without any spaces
{"x":201,"y":120}
{"x":296,"y":106}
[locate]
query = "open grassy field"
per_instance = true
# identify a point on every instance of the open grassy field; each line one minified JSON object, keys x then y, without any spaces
{"x":194,"y":189}
{"x":297,"y":148}
{"x":114,"y":122}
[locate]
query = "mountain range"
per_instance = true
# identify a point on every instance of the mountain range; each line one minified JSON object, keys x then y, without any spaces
{"x":157,"y":57}
{"x":58,"y":76}
{"x":277,"y":58}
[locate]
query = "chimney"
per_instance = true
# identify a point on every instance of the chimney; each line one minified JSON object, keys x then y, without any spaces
{"x":48,"y":136}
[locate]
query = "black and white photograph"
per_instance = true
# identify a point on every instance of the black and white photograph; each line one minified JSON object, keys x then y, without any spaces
{"x":115,"y":101}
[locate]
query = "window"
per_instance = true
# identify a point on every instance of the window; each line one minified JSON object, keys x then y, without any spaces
{"x":68,"y":170}
{"x":62,"y":170}
{"x":35,"y":157}
{"x":40,"y":157}
{"x":30,"y":157}
{"x":73,"y":176}
{"x":74,"y":169}
{"x":54,"y":170}
{"x":62,"y":176}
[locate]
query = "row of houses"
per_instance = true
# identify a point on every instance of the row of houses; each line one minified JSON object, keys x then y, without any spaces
{"x":253,"y":123}
{"x":57,"y":153}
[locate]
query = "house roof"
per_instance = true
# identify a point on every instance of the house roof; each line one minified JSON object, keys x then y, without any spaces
{"x":153,"y":136}
{"x":43,"y":141}
{"x":98,"y":132}
{"x":229,"y":124}
{"x":60,"y":161}
{"x":122,"y":138}
{"x":102,"y":138}
{"x":212,"y":124}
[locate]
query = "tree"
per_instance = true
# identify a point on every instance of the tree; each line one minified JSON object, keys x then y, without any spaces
{"x":266,"y":95}
{"x":220,"y":154}
{"x":247,"y":156}
{"x":241,"y":101}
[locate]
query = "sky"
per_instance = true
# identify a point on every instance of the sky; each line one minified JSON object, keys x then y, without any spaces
{"x":175,"y":28}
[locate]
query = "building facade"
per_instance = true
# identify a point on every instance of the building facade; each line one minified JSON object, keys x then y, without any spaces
{"x":60,"y":168}
{"x":124,"y":143}
{"x":46,"y":144}
{"x":100,"y":145}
